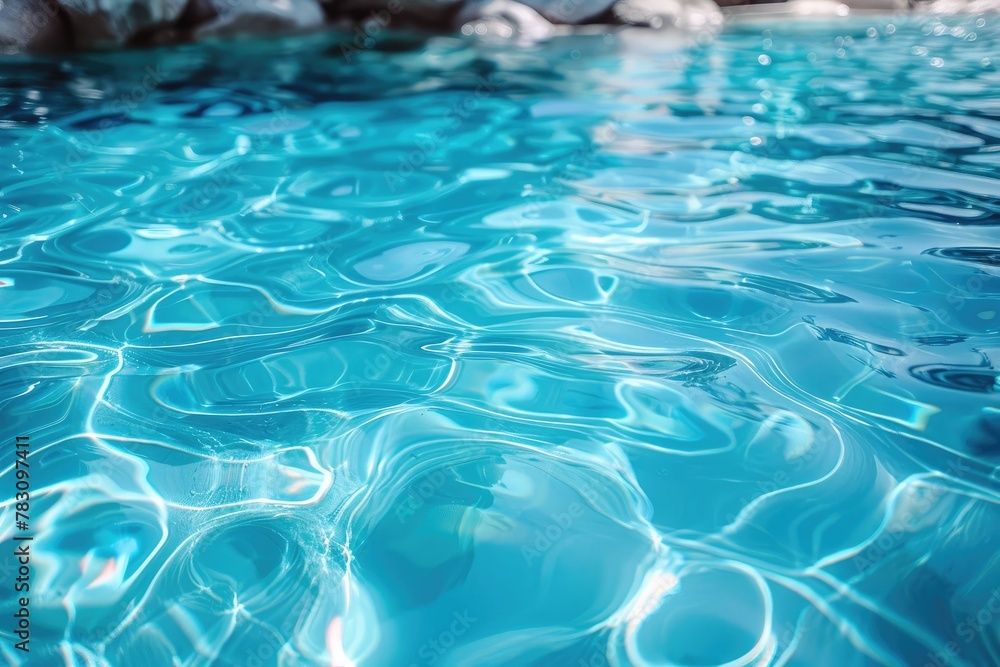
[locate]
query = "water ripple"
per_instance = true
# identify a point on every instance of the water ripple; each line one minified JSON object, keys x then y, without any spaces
{"x":593,"y":352}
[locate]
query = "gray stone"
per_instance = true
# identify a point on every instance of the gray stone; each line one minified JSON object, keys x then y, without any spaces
{"x":389,"y":14}
{"x":569,"y":12}
{"x":32,"y":25}
{"x":223,"y":18}
{"x":503,"y":19}
{"x":959,"y":6}
{"x":836,"y":7}
{"x":111,"y":23}
{"x":685,"y":14}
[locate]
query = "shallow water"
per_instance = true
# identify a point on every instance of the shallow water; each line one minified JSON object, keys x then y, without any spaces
{"x":612,"y":351}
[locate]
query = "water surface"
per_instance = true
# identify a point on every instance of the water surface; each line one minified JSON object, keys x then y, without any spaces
{"x":614,"y":350}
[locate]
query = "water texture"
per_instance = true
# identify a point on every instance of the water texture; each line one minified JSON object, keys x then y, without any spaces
{"x":614,"y":350}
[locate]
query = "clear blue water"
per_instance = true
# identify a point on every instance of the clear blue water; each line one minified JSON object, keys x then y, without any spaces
{"x":616,"y":350}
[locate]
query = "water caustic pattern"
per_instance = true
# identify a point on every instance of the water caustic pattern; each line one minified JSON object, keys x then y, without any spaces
{"x":615,"y":350}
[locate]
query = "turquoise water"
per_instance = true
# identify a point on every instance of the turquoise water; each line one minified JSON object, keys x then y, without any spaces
{"x":616,"y":350}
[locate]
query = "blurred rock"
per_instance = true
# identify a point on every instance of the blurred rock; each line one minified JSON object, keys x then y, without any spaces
{"x":817,"y":8}
{"x":835,"y":7}
{"x":390,"y":14}
{"x":111,"y":23}
{"x":686,"y":14}
{"x":770,"y":10}
{"x":958,"y":6}
{"x":879,"y":5}
{"x":503,"y":19}
{"x":570,"y":12}
{"x":48,"y":25}
{"x":223,"y":18}
{"x":32,"y":25}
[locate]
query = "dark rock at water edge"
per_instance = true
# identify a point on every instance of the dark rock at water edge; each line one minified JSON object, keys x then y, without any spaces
{"x":33,"y":25}
{"x":105,"y":24}
{"x":60,"y":25}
